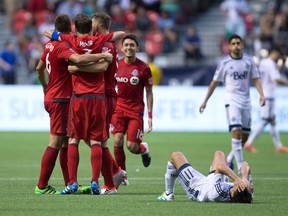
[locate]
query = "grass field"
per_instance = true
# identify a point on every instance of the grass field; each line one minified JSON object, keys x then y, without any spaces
{"x":21,"y":153}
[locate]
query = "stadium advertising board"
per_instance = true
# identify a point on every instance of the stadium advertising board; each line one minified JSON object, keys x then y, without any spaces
{"x":175,"y":109}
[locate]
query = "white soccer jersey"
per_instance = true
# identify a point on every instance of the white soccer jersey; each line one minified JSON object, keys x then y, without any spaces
{"x":236,"y":75}
{"x":269,"y":74}
{"x":211,"y":188}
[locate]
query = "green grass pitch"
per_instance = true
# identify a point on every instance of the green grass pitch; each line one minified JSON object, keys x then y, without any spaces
{"x":21,"y":154}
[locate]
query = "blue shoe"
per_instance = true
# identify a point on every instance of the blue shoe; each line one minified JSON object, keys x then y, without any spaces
{"x":95,"y":190}
{"x":70,"y":189}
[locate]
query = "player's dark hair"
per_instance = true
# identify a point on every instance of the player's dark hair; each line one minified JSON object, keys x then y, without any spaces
{"x":131,"y":37}
{"x":63,"y":23}
{"x":83,"y":23}
{"x":103,"y":18}
{"x":234,"y":36}
{"x":242,"y":197}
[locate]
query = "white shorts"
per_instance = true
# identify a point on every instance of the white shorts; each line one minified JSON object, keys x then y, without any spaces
{"x":238,"y":118}
{"x":268,"y":111}
{"x":191,"y":180}
{"x":201,"y":188}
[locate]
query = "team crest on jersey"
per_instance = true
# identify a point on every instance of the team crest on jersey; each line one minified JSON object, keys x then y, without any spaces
{"x":105,"y":49}
{"x":135,"y":72}
{"x":134,"y":80}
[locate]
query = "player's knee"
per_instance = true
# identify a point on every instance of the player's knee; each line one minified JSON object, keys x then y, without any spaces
{"x":132,"y":147}
{"x":219,"y":154}
{"x":176,"y":155}
{"x":237,"y":133}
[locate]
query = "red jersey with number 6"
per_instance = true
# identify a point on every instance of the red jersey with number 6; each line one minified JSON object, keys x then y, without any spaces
{"x":56,"y":56}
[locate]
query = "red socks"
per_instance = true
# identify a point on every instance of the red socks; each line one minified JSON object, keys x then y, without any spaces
{"x":141,"y":149}
{"x":63,"y":159}
{"x":107,"y":164}
{"x":96,"y":161}
{"x":120,"y":156}
{"x":47,"y":165}
{"x":73,"y":162}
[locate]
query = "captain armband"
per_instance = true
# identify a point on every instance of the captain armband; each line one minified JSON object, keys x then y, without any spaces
{"x":55,"y":36}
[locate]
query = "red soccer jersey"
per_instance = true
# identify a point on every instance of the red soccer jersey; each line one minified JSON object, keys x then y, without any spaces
{"x":109,"y":74}
{"x":56,"y":55}
{"x":131,"y":80}
{"x":83,"y":82}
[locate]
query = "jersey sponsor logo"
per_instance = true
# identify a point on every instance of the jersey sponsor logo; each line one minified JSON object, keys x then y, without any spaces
{"x":49,"y":46}
{"x":85,"y":44}
{"x":134,"y":80}
{"x":240,"y":76}
{"x":122,"y":79}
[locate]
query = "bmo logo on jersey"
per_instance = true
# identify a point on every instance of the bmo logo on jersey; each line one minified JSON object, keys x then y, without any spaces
{"x":240,"y":76}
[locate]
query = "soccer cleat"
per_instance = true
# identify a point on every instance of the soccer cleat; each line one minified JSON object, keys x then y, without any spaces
{"x":70,"y":189}
{"x":146,"y":158}
{"x":165,"y":197}
{"x":106,"y":191}
{"x":46,"y":190}
{"x":250,"y":148}
{"x":119,"y":177}
{"x":95,"y":190}
{"x":83,"y":190}
{"x":125,"y":181}
{"x":282,"y":149}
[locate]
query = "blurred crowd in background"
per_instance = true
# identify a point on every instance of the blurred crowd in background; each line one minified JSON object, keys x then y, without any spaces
{"x":164,"y":28}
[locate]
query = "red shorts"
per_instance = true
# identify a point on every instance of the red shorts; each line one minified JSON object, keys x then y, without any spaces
{"x":111,"y":104}
{"x":131,"y":124}
{"x":58,"y":112}
{"x":87,"y":118}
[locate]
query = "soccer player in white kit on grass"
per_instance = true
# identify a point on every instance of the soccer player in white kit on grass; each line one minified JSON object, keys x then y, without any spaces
{"x":215,"y":187}
{"x":270,"y":78}
{"x":235,"y":71}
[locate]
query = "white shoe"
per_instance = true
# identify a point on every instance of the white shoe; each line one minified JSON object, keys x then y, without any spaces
{"x":106,"y":191}
{"x":120,"y":177}
{"x":165,"y":197}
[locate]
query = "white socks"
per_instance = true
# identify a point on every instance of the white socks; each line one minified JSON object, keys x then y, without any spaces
{"x":275,"y":136}
{"x":258,"y":130}
{"x":170,"y":177}
{"x":237,"y":152}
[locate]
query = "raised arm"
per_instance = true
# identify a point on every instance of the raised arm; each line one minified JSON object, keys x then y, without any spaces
{"x":259,"y":88}
{"x":239,"y":183}
{"x":211,"y":89}
{"x":118,"y":35}
{"x":49,"y":33}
